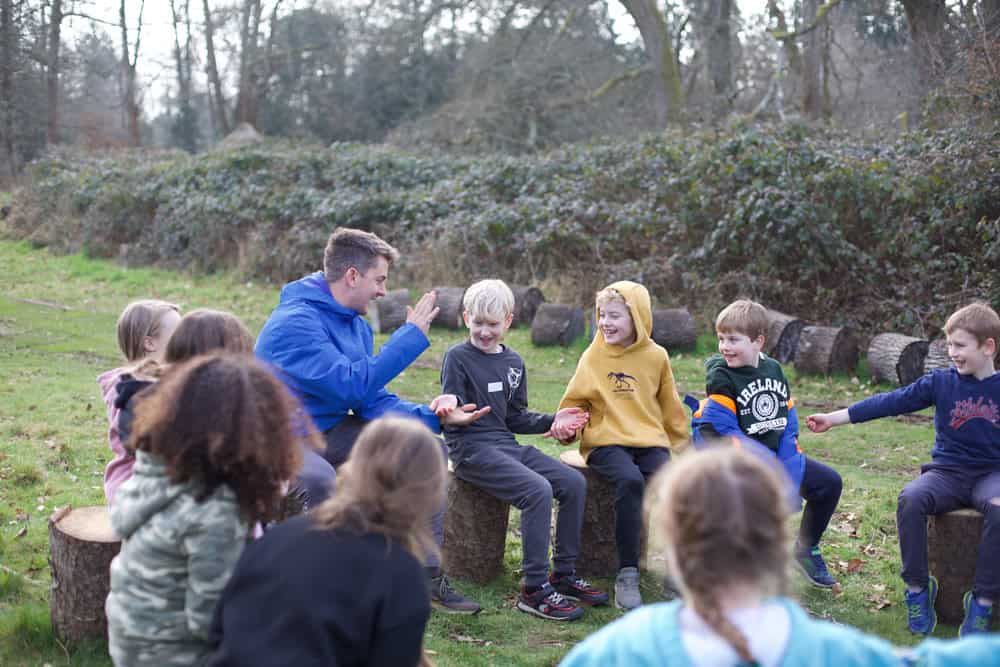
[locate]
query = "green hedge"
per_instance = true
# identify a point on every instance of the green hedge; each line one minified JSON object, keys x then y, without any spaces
{"x":820,"y":224}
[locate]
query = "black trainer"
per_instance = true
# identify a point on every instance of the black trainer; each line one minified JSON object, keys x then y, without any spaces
{"x":579,"y":590}
{"x":546,"y":602}
{"x":447,"y":599}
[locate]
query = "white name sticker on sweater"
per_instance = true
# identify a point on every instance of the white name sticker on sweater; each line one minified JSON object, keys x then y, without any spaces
{"x":494,"y":386}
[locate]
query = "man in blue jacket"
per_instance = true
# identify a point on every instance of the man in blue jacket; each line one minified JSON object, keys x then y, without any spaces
{"x":318,"y":339}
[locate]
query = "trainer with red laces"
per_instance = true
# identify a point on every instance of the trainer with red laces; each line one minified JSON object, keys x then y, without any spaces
{"x":321,"y":345}
{"x":486,"y":372}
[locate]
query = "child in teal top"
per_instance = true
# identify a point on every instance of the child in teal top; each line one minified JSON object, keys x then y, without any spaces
{"x":721,"y":516}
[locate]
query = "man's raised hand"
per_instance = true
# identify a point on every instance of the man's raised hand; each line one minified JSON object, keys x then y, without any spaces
{"x":423,"y":312}
{"x":463,"y":415}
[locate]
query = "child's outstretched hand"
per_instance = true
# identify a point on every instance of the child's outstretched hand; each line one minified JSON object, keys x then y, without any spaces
{"x":819,"y":423}
{"x":824,"y":421}
{"x":566,"y":423}
{"x":444,"y":405}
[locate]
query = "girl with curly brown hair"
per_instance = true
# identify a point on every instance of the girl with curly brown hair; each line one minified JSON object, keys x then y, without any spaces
{"x":347,"y":578}
{"x":721,"y":514}
{"x":213,"y":446}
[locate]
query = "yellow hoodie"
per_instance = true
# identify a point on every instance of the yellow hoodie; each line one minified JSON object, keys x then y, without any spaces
{"x":628,"y":391}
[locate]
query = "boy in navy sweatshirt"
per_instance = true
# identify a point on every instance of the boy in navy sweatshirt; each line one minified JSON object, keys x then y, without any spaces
{"x":486,"y":454}
{"x":965,"y":462}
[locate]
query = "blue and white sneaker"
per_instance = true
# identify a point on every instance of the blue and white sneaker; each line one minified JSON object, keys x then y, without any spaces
{"x":977,"y":616}
{"x":811,"y":564}
{"x":920,"y":614}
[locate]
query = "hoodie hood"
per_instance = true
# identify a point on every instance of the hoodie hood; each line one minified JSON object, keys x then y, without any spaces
{"x":639,"y":307}
{"x":147,"y":493}
{"x":316,"y":291}
{"x":108,"y":381}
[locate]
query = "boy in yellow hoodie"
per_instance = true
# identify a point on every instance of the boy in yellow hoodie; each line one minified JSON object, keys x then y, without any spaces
{"x":625,"y":382}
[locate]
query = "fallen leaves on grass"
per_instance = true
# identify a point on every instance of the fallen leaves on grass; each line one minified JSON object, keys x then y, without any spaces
{"x":879,"y":602}
{"x":21,"y":533}
{"x":851,"y":566}
{"x":469,"y":640}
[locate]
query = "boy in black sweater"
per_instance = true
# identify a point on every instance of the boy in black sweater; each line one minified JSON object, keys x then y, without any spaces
{"x":485,"y":454}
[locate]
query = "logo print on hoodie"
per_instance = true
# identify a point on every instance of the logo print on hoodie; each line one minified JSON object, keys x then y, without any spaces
{"x":623,"y":381}
{"x":968,"y":410}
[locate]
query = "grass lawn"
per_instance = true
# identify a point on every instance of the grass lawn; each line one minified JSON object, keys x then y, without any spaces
{"x":57,"y":319}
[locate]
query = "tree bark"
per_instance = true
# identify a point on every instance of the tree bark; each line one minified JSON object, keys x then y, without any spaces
{"x":826,"y":350}
{"x":652,"y":26}
{"x":788,"y":43}
{"x":812,"y":64}
{"x":952,"y":544}
{"x":783,"y":333}
{"x":449,"y":300}
{"x":8,"y":49}
{"x":674,"y":329}
{"x":246,"y":97}
{"x":927,"y":22}
{"x":556,"y":324}
{"x":52,"y":73}
{"x":896,"y":358}
{"x":129,"y":71}
{"x":990,"y":12}
{"x":475,"y":532}
{"x":82,"y":546}
{"x":218,"y":102}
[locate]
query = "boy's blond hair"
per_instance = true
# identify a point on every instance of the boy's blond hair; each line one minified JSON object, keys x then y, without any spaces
{"x":491,"y":298}
{"x":978,"y":319}
{"x":609,"y":294}
{"x":743,"y":316}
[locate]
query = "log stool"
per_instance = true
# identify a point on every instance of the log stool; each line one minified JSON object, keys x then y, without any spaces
{"x":598,"y":547}
{"x":952,"y":545}
{"x":896,"y":358}
{"x":674,"y":329}
{"x":556,"y":324}
{"x":449,"y":300}
{"x":826,"y":350}
{"x":937,"y":356}
{"x":475,"y":532}
{"x":82,"y":546}
{"x":527,"y":299}
{"x":389,"y":312}
{"x":783,"y":333}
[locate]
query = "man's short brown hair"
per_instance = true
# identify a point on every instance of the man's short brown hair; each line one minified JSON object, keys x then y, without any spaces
{"x":978,"y":319}
{"x":745,"y":317}
{"x":348,"y":247}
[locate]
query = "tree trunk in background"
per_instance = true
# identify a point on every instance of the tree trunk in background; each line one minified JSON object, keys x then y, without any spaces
{"x":246,"y":97}
{"x":8,"y":158}
{"x":218,"y":102}
{"x":927,"y":21}
{"x":52,"y":73}
{"x":812,"y":95}
{"x":790,"y":47}
{"x":128,"y":66}
{"x":185,"y":126}
{"x":718,"y":45}
{"x":660,"y":53}
{"x":990,"y":11}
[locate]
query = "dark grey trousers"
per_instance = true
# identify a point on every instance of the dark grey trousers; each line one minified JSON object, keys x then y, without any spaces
{"x":941,"y":489}
{"x":529,"y":480}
